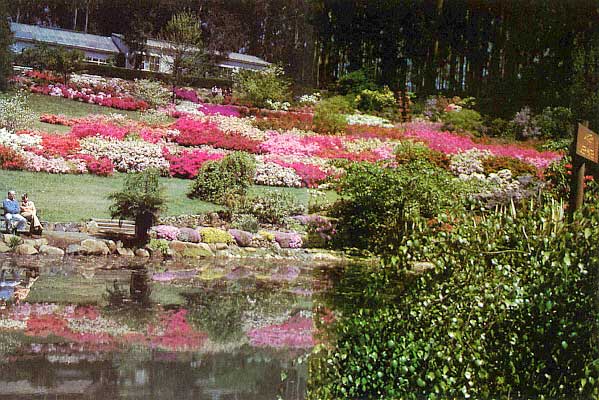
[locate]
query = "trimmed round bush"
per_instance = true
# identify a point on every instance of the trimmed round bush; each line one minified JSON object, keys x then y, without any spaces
{"x":215,"y":235}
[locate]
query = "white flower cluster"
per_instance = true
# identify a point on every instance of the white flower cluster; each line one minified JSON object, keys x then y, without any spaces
{"x":361,"y":145}
{"x":17,"y":142}
{"x":242,"y":126}
{"x":277,"y":105}
{"x":55,"y":165}
{"x":271,"y":174}
{"x":128,"y":155}
{"x":468,"y":162}
{"x":8,"y":323}
{"x":309,"y":99}
{"x":120,"y":85}
{"x":188,"y":107}
{"x":362,"y":119}
{"x":98,"y":325}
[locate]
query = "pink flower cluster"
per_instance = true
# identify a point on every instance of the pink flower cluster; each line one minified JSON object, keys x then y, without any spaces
{"x":311,"y":175}
{"x":187,"y":163}
{"x":196,"y":133}
{"x":90,"y":129}
{"x":167,"y":232}
{"x":217,"y":109}
{"x":187,"y":94}
{"x":451,"y":143}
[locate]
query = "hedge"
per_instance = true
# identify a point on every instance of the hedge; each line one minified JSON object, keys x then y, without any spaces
{"x":130,"y":74}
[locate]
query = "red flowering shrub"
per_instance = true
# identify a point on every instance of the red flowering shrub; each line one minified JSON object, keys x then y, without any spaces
{"x":124,"y":103}
{"x":100,"y":167}
{"x":10,"y":159}
{"x":197,"y":133}
{"x":188,"y":163}
{"x":43,"y":76}
{"x":367,"y":131}
{"x":178,"y":334}
{"x":56,"y":119}
{"x":58,"y":145}
{"x":95,"y":128}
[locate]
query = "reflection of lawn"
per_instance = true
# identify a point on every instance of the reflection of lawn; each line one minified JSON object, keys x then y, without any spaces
{"x":71,"y":290}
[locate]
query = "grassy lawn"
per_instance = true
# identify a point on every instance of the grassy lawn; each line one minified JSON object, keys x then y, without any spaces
{"x":72,"y":198}
{"x":41,"y":104}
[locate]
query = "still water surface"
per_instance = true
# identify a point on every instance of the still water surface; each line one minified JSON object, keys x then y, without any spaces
{"x":98,"y":329}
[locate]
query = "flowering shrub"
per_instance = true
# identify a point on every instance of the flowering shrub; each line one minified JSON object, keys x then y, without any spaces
{"x":152,"y":92}
{"x":215,"y":235}
{"x":218,"y":109}
{"x":166,"y":232}
{"x":58,"y":145}
{"x":17,"y":142}
{"x":370,"y":120}
{"x":187,"y":163}
{"x":100,"y":167}
{"x":309,"y":99}
{"x":10,"y":159}
{"x":272,"y":174}
{"x":98,"y":129}
{"x":468,"y":162}
{"x":127,"y":156}
{"x":15,"y":113}
{"x":187,"y":94}
{"x":310,"y":175}
{"x":288,"y":240}
{"x":288,"y":144}
{"x":56,"y":165}
{"x":285,"y":121}
{"x":239,"y":126}
{"x":194,"y":133}
{"x":57,"y":119}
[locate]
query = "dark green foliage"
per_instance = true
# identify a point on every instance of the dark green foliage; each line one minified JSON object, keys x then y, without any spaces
{"x":379,"y":205}
{"x":499,"y":127}
{"x":355,"y":82}
{"x":6,"y":39}
{"x":517,"y":166}
{"x":375,"y":100}
{"x":464,"y":120}
{"x":328,"y":115}
{"x":556,"y":123}
{"x":220,"y":181}
{"x":141,"y":199}
{"x":62,"y":60}
{"x":510,"y":311}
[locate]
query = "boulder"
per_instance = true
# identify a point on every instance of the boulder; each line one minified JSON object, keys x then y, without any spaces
{"x":125,"y":252}
{"x":92,"y":227}
{"x":95,"y":247}
{"x":25,"y":250}
{"x":51,"y":251}
{"x":37,"y":243}
{"x":243,"y":238}
{"x":288,"y":240}
{"x":4,"y":248}
{"x":74,"y":249}
{"x":12,"y":239}
{"x":142,"y":253}
{"x":183,"y":249}
{"x":188,"y":235}
{"x":111,"y":245}
{"x":221,"y":246}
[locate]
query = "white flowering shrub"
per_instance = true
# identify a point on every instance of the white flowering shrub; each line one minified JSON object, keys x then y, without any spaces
{"x":15,"y":114}
{"x":362,"y":119}
{"x":152,"y":92}
{"x":309,"y":99}
{"x":277,"y":105}
{"x":468,"y":162}
{"x":128,"y":155}
{"x":271,"y":174}
{"x":242,"y":126}
{"x":17,"y":142}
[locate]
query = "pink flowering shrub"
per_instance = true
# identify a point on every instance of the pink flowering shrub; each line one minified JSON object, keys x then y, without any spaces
{"x":152,"y":135}
{"x":196,"y":133}
{"x":289,"y":144}
{"x":311,"y":175}
{"x":218,"y":109}
{"x":166,"y":232}
{"x":451,"y":143}
{"x":187,"y":163}
{"x":295,"y":333}
{"x":187,"y":94}
{"x":98,"y":129}
{"x":101,"y":167}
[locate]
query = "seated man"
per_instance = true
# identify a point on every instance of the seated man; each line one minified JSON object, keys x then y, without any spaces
{"x":12,"y":210}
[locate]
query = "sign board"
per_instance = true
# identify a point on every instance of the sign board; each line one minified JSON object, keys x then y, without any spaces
{"x":587,"y":144}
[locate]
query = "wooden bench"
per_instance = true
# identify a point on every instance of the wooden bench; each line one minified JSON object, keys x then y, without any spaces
{"x":114,"y":226}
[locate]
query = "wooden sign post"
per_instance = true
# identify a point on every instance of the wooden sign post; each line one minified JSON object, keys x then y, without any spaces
{"x":586,"y":148}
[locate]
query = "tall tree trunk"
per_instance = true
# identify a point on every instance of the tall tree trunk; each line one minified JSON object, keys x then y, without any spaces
{"x":75,"y":19}
{"x":86,"y":14}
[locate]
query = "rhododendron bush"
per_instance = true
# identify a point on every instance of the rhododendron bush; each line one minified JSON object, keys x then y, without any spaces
{"x":187,"y":163}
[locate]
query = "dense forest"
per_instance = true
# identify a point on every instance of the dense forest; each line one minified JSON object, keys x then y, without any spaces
{"x":535,"y":52}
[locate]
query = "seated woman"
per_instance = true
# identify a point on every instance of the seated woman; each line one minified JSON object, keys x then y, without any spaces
{"x":30,"y":213}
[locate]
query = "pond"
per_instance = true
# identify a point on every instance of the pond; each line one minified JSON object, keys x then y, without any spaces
{"x":214,"y":329}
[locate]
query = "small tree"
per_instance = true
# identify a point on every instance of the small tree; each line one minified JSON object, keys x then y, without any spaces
{"x":141,"y":199}
{"x":65,"y":61}
{"x":5,"y":43}
{"x":183,"y":35}
{"x":257,"y":87}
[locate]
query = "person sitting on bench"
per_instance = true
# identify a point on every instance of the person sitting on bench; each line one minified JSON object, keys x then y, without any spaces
{"x":29,"y":211}
{"x":12,"y":211}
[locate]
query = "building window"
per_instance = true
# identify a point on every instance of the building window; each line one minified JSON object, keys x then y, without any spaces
{"x":152,"y":63}
{"x":95,"y":60}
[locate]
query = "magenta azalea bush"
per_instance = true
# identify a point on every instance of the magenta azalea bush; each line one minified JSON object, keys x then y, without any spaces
{"x":167,"y":232}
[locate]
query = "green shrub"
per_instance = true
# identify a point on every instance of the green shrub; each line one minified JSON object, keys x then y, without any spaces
{"x":555,"y":122}
{"x":375,"y":100}
{"x":257,"y":87}
{"x":518,"y":167}
{"x":463,"y":120}
{"x":556,"y":145}
{"x":499,"y":127}
{"x":245,"y":222}
{"x":218,"y":181}
{"x":15,"y":114}
{"x":272,"y":208}
{"x":380,"y":205}
{"x":159,"y":245}
{"x":215,"y":235}
{"x":407,"y":151}
{"x":356,"y":81}
{"x":499,"y":317}
{"x":328,"y":115}
{"x":152,"y":92}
